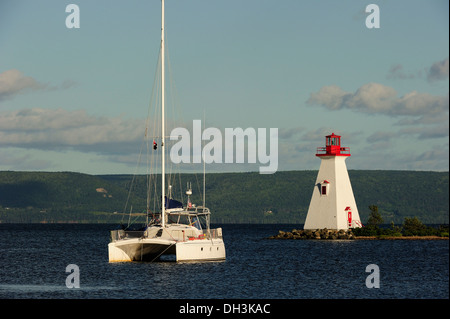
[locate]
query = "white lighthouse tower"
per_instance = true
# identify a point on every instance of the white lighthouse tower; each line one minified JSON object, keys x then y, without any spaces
{"x":332,"y":204}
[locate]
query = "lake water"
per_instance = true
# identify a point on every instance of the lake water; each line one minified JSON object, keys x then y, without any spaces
{"x":33,"y":261}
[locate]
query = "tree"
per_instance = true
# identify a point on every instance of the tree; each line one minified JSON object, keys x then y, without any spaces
{"x":395,"y":230}
{"x":375,"y":218}
{"x":413,"y":227}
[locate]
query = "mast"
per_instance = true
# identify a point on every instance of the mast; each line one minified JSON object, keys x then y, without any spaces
{"x":208,"y":217}
{"x":204,"y":163}
{"x":163,"y":159}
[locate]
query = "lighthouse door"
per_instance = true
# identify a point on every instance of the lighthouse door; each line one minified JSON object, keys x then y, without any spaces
{"x":349,"y":218}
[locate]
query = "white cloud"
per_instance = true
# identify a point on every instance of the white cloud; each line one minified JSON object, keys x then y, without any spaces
{"x":333,"y":97}
{"x":375,"y":98}
{"x":13,"y":82}
{"x":59,"y":129}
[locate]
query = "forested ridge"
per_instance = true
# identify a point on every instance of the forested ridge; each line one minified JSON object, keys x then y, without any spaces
{"x":282,"y":197}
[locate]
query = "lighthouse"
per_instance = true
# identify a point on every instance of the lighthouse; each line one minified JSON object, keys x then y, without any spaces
{"x":333,"y":205}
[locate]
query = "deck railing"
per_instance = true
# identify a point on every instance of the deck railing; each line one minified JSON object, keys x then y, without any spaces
{"x":213,"y":233}
{"x":124,"y":234}
{"x":178,"y":235}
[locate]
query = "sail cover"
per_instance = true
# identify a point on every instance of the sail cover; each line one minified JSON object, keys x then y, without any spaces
{"x":171,"y":203}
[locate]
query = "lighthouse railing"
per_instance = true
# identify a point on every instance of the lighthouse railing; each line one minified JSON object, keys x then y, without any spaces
{"x":324,"y":151}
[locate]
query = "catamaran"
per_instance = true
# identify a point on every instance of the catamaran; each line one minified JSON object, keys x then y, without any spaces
{"x":179,"y":229}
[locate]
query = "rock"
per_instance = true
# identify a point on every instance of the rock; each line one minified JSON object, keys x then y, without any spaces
{"x":322,"y":234}
{"x":296,"y":232}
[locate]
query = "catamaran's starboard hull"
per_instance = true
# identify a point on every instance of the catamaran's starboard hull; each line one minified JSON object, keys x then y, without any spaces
{"x":152,"y":249}
{"x":198,"y":250}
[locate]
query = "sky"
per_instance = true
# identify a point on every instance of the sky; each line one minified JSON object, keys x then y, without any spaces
{"x":76,"y":99}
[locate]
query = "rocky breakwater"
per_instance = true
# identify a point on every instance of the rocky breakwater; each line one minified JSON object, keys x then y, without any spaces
{"x":332,"y":234}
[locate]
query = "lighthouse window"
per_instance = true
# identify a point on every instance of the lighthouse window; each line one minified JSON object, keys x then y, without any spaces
{"x":324,"y":189}
{"x":335,"y":141}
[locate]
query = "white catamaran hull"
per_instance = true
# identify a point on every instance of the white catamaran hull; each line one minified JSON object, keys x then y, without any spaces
{"x":205,"y":249}
{"x":149,"y":249}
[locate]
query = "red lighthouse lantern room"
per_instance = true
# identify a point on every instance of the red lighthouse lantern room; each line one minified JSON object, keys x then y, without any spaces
{"x":333,"y":147}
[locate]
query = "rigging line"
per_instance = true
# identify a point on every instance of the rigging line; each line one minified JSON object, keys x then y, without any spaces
{"x":169,"y":234}
{"x":142,"y":145}
{"x":133,"y":180}
{"x":198,"y":184}
{"x":156,"y":82}
{"x":177,"y":117}
{"x":176,"y":109}
{"x":136,"y":218}
{"x":172,"y":92}
{"x":170,"y":168}
{"x":151,"y":167}
{"x":181,"y":188}
{"x":162,"y":252}
{"x":154,"y":163}
{"x":129,"y":217}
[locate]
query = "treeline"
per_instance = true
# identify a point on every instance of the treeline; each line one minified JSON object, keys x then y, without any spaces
{"x":412,"y":226}
{"x":282,"y":197}
{"x":30,"y":197}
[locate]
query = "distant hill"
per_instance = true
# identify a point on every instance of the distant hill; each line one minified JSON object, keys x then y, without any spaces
{"x":57,"y":197}
{"x":282,"y":197}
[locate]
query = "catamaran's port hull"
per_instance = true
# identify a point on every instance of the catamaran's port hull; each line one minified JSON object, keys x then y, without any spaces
{"x":151,"y":249}
{"x":139,"y":249}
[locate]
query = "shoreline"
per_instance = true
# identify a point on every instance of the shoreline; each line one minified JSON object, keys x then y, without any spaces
{"x":327,"y":234}
{"x":400,"y":238}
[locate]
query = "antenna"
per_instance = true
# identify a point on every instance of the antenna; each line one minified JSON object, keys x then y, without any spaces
{"x":189,"y":193}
